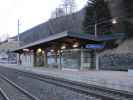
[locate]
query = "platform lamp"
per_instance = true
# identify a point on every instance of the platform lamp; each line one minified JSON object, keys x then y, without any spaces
{"x":113,"y":21}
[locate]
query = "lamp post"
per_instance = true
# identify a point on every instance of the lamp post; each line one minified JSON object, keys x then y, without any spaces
{"x":113,"y":21}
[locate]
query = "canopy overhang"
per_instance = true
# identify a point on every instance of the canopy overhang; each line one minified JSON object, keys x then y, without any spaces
{"x":62,"y":37}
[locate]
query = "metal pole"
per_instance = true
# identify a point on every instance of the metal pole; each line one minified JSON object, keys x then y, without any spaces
{"x":60,"y":65}
{"x":18,"y":39}
{"x":95,"y":30}
{"x":97,"y":61}
{"x":18,"y":34}
{"x":97,"y":58}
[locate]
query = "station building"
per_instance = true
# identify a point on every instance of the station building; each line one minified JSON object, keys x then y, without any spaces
{"x":62,"y":49}
{"x":65,"y":50}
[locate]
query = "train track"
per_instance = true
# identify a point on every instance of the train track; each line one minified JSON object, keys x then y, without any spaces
{"x":102,"y":93}
{"x":11,"y":91}
{"x":83,"y":88}
{"x":3,"y":95}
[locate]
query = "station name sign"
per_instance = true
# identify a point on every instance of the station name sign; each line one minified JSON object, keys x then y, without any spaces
{"x":94,"y":46}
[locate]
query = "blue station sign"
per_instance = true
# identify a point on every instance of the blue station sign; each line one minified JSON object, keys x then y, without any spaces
{"x":94,"y":46}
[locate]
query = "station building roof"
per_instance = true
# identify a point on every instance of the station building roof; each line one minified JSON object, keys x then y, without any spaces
{"x":67,"y":34}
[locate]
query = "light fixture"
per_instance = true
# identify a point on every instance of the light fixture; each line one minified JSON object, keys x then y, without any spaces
{"x":26,"y":50}
{"x":75,"y":45}
{"x":61,"y":51}
{"x":51,"y":50}
{"x":114,"y":21}
{"x":63,"y":47}
{"x":39,"y":50}
{"x":58,"y":51}
{"x":43,"y":52}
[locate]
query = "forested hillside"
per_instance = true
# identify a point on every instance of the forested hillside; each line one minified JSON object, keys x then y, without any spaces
{"x":71,"y":22}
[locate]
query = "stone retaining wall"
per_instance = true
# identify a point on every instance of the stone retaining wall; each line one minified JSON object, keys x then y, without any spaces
{"x":116,"y":61}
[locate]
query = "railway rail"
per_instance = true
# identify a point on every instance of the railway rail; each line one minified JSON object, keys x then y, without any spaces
{"x":88,"y":89}
{"x":98,"y":91}
{"x":3,"y":95}
{"x":11,"y":91}
{"x":102,"y":93}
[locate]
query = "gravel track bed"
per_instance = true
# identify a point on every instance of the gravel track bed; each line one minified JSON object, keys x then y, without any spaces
{"x":12,"y":92}
{"x":1,"y":97}
{"x":43,"y":90}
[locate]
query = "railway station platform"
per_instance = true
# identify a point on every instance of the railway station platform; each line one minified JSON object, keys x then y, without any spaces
{"x":112,"y":79}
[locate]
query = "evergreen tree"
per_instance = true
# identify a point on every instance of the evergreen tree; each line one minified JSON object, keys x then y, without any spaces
{"x":129,"y":16}
{"x":96,"y":12}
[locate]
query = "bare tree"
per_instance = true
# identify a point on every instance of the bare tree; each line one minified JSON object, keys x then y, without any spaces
{"x":66,"y":22}
{"x":69,"y":6}
{"x":57,"y":13}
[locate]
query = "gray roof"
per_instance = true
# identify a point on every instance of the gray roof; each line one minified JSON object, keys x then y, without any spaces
{"x":71,"y":34}
{"x":54,"y":37}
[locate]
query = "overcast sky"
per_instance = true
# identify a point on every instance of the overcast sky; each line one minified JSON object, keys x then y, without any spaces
{"x":30,"y":13}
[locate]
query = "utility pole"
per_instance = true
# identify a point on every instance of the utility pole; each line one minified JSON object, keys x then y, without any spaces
{"x":18,"y":37}
{"x":18,"y":40}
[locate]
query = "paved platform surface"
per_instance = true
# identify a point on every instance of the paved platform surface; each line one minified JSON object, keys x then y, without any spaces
{"x":112,"y":79}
